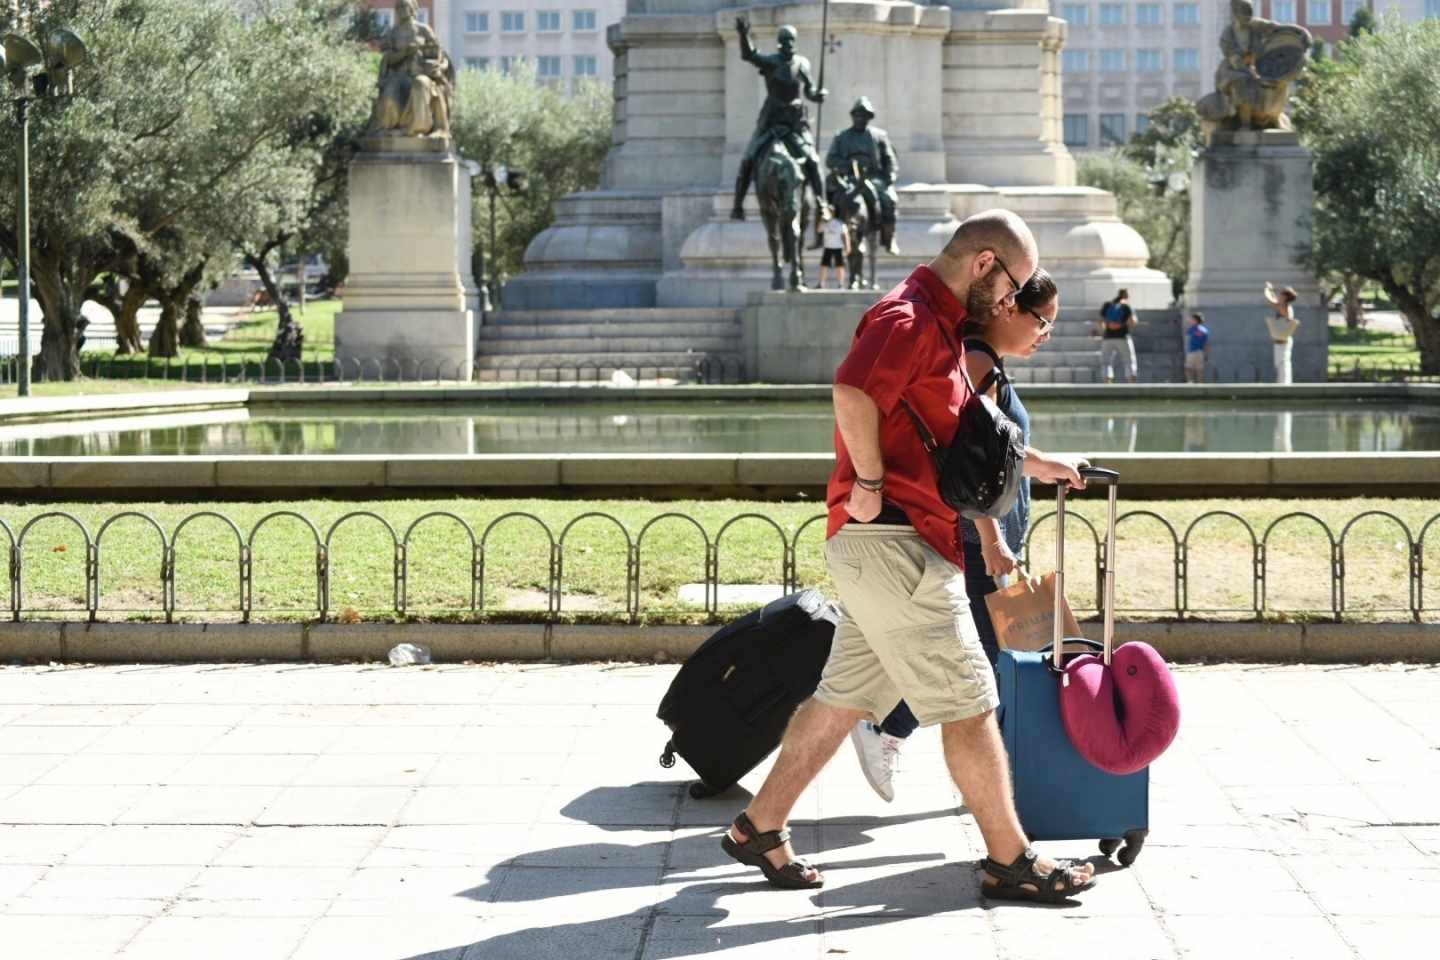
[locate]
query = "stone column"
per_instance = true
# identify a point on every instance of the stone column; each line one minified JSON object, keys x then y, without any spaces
{"x":1250,"y":206}
{"x":411,"y":305}
{"x":1002,"y":98}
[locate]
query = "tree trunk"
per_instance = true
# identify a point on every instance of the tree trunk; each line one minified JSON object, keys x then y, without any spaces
{"x":192,"y":334}
{"x":60,"y":301}
{"x":1418,"y":314}
{"x":127,"y":321}
{"x":289,"y":333}
{"x":1354,"y":314}
{"x":165,"y":340}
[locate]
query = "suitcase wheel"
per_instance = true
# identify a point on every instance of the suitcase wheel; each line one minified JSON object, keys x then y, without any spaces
{"x":667,"y":759}
{"x":700,"y":790}
{"x":1110,"y":845}
{"x":1134,"y":843}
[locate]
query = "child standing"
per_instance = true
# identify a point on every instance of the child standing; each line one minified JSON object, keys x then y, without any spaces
{"x":837,"y":248}
{"x":1197,"y":348}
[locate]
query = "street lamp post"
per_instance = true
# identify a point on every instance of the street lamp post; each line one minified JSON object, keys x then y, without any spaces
{"x":497,"y":178}
{"x":22,"y":116}
{"x":62,"y":53}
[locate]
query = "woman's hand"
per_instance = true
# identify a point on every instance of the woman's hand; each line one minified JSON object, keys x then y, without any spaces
{"x":863,"y":505}
{"x":999,"y":561}
{"x":1056,"y":468}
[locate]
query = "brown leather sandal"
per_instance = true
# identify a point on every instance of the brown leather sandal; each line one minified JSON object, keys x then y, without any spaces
{"x":752,"y":853}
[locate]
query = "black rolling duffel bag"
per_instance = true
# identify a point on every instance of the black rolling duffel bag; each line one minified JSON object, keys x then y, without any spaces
{"x":728,"y":706}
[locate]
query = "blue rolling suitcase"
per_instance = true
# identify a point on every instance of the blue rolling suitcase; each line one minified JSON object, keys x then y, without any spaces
{"x":1058,"y":793}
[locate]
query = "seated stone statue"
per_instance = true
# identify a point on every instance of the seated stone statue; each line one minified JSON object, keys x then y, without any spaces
{"x":1259,"y":60}
{"x":417,"y":79}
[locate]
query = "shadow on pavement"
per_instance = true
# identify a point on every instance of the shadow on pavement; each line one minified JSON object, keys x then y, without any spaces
{"x":691,"y":921}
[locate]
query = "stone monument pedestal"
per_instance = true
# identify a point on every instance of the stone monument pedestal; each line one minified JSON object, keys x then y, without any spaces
{"x":799,"y":337}
{"x":1250,"y":204}
{"x":410,"y":301}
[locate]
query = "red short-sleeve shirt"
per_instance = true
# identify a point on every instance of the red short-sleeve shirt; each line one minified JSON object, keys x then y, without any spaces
{"x":899,"y":350}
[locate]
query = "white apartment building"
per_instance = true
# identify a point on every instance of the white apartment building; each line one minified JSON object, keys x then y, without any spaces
{"x":1124,"y":57}
{"x":563,"y":39}
{"x":1412,"y":10}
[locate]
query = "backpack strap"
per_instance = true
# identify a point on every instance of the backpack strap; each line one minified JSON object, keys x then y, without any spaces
{"x":997,"y":373}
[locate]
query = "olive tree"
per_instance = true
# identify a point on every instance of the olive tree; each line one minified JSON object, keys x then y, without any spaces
{"x":1370,"y":119}
{"x":558,"y":139}
{"x":182,"y":119}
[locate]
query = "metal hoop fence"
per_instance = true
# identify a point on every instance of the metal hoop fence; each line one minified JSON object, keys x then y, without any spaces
{"x":1250,"y":570}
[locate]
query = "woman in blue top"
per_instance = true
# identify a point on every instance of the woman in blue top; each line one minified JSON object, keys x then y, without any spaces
{"x":990,"y":546}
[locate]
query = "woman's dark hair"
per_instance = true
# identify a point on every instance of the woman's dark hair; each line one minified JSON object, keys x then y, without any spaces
{"x":1123,"y":294}
{"x":1039,"y":290}
{"x":1289,"y":294}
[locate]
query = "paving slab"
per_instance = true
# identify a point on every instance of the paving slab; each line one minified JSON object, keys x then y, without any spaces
{"x":482,"y":812}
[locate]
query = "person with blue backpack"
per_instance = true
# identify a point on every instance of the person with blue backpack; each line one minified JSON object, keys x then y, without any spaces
{"x":1117,"y":348}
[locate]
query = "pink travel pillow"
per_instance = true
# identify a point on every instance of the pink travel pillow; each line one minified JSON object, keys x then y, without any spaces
{"x":1123,"y":716}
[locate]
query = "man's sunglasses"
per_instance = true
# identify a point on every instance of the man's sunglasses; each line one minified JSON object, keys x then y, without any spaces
{"x":1009,"y":299}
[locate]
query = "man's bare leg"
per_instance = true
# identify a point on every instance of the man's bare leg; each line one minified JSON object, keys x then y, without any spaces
{"x":814,"y":734}
{"x":976,"y":757}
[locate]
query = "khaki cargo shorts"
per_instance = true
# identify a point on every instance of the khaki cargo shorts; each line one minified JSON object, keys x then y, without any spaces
{"x":907,"y":632}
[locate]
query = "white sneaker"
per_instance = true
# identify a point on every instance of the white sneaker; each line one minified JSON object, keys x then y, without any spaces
{"x":879,"y":757}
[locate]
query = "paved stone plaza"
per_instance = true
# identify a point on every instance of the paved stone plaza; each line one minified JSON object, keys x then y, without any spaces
{"x":502,"y":812}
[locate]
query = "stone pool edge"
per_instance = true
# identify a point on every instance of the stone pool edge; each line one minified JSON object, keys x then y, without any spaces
{"x":720,"y":474}
{"x":1189,"y":641}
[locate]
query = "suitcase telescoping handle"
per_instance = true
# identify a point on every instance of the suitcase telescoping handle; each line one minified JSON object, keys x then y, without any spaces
{"x":1111,"y":479}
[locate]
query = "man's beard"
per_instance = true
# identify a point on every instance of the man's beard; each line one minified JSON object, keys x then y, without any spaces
{"x":982,"y":303}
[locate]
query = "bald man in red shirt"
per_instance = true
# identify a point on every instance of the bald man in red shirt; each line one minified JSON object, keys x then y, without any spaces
{"x":893,"y":550}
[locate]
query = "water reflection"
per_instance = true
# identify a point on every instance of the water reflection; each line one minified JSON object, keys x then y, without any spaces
{"x":709,"y":427}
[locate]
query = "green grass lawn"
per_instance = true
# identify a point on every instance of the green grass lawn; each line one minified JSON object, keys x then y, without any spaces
{"x":1371,"y":348}
{"x":517,"y":557}
{"x":247,"y":343}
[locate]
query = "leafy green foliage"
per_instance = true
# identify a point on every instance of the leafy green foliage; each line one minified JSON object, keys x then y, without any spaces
{"x":181,"y":143}
{"x":1369,"y":118}
{"x":559,"y":140}
{"x":1140,"y":175}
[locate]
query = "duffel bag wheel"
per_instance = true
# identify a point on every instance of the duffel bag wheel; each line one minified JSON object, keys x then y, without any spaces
{"x":1134,"y":843}
{"x":1109,"y":845}
{"x":700,"y":790}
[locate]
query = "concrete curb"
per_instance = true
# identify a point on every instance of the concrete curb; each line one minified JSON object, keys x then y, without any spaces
{"x":456,"y":642}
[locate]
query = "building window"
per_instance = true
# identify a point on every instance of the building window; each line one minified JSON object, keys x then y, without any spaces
{"x":1112,"y":60}
{"x":423,"y":15}
{"x":1149,"y":61}
{"x":586,"y":66}
{"x":507,"y":64}
{"x":1187,"y":14}
{"x":1187,"y":60}
{"x":583,"y":21}
{"x":1283,"y":10}
{"x":1432,"y":8}
{"x":547,"y":21}
{"x":1077,"y":129}
{"x":477,"y":22}
{"x":547,"y":69}
{"x":1142,"y":122}
{"x":1075,"y":61}
{"x":1112,"y":129}
{"x":1352,"y":7}
{"x":1076,"y":13}
{"x":1112,"y":14}
{"x":1148,"y":14}
{"x":512,"y":21}
{"x":477,"y":63}
{"x":1318,"y":12}
{"x":385,"y":17}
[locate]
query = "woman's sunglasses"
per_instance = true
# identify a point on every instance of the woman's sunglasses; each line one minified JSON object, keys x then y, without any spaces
{"x":1044,"y":323}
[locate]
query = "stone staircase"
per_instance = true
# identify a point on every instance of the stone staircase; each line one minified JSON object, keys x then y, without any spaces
{"x":647,"y":343}
{"x":1070,"y":356}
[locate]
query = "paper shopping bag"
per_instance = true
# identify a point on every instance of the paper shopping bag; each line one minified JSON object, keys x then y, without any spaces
{"x":1024,"y":614}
